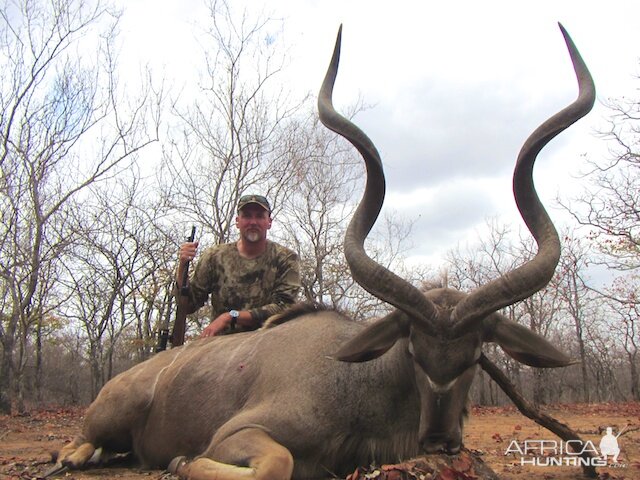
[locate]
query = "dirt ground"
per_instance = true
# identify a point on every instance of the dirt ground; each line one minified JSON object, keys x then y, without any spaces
{"x":26,"y":443}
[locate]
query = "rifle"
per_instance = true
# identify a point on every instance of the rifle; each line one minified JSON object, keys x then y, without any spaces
{"x":163,"y":331}
{"x":179,"y":326}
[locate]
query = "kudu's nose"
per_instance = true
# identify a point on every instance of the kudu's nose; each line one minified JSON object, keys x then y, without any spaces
{"x":441,"y":443}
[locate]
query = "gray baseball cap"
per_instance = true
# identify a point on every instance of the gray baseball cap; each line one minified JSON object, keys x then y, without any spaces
{"x":257,"y":199}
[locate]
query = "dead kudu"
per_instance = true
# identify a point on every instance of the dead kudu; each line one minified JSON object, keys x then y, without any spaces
{"x":320,"y":394}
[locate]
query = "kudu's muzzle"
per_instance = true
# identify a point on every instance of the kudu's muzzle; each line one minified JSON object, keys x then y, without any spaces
{"x":442,"y":442}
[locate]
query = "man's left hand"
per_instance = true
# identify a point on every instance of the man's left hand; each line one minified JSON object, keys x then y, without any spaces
{"x":217,"y":326}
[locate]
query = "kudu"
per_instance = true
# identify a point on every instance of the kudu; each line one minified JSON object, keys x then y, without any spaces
{"x":320,"y":394}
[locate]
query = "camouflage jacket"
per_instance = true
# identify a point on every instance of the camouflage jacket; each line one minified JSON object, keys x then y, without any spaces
{"x":265,"y":285}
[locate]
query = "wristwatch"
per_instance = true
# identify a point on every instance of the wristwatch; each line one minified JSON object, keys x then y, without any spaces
{"x":234,"y":318}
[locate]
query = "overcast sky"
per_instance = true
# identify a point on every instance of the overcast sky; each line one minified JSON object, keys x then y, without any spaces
{"x":456,"y":87}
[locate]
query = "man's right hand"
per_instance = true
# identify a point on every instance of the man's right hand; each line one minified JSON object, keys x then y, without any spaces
{"x":186,"y":253}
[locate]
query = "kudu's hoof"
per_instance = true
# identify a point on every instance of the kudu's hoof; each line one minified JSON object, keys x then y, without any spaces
{"x":55,"y":470}
{"x":175,"y":464}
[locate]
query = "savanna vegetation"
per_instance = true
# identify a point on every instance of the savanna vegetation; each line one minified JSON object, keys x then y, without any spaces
{"x":102,"y":176}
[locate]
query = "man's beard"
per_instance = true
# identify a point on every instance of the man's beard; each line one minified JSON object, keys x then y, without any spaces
{"x":252,"y":236}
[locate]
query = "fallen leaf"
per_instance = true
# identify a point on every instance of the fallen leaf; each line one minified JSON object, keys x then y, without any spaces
{"x":462,"y":463}
{"x":447,"y":474}
{"x":394,"y":475}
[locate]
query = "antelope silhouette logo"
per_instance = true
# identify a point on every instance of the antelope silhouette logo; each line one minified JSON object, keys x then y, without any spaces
{"x":609,"y":445}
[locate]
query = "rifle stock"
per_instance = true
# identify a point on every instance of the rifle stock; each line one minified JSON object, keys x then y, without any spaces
{"x":182,"y":303}
{"x":163,"y":329}
{"x":163,"y":338}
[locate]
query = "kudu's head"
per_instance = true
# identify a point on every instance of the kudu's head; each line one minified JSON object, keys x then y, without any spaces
{"x":444,"y":329}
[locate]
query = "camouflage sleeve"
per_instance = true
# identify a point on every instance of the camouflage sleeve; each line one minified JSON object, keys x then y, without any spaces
{"x":201,"y":280}
{"x":286,"y":288}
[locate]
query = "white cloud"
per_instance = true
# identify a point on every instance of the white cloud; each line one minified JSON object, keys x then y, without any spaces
{"x":456,"y":88}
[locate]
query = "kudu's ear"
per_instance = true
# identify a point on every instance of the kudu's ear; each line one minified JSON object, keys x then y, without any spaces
{"x":375,"y":339}
{"x":523,"y":345}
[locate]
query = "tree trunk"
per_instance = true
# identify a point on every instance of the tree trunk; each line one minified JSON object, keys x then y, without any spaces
{"x":583,"y":365}
{"x":633,"y":371}
{"x":19,"y":397}
{"x":539,"y":389}
{"x":74,"y":376}
{"x":96,"y":371}
{"x":19,"y":371}
{"x":6,"y":374}
{"x":38,"y":379}
{"x":482,"y":400}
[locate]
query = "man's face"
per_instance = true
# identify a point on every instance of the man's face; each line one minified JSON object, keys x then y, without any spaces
{"x":253,"y":221}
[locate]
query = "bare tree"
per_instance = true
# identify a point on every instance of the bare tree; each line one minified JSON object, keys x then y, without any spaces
{"x":623,"y":317}
{"x":611,"y":207}
{"x":105,"y":268}
{"x":578,"y":300}
{"x":150,"y":302}
{"x":470,"y":266}
{"x":63,"y":126}
{"x":543,"y":312}
{"x":237,"y":135}
{"x":313,"y":218}
{"x":39,"y":321}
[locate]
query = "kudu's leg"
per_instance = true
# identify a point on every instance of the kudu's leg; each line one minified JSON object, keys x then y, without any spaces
{"x":73,"y":455}
{"x":249,"y":454}
{"x":77,"y":453}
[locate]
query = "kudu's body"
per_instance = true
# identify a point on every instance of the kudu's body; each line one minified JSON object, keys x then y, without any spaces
{"x":280,"y":381}
{"x":320,"y":394}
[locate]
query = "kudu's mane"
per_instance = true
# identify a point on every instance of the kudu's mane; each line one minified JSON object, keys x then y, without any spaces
{"x":296,"y":311}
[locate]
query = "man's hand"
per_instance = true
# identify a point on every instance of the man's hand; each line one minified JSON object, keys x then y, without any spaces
{"x":217,"y":326}
{"x":186,"y":253}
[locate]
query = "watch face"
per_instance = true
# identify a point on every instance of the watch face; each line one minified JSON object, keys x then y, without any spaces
{"x":234,"y":313}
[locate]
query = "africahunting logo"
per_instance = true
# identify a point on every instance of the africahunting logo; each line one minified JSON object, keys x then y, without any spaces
{"x":574,"y":453}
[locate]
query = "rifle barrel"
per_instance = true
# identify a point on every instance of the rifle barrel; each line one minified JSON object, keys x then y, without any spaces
{"x":184,"y":290}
